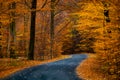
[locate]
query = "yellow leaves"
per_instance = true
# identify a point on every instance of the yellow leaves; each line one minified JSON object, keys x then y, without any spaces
{"x":4,"y":19}
{"x":91,"y":9}
{"x":5,"y":22}
{"x":91,"y":15}
{"x":119,"y":72}
{"x":112,"y":72}
{"x":107,"y":43}
{"x":19,"y":35}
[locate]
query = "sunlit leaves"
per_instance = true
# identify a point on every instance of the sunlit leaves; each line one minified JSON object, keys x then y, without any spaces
{"x":106,"y":34}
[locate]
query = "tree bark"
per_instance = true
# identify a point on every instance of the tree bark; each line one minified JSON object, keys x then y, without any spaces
{"x":52,"y":28}
{"x":12,"y":30}
{"x":32,"y":30}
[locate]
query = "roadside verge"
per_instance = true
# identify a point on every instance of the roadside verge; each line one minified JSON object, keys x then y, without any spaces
{"x":88,"y":69}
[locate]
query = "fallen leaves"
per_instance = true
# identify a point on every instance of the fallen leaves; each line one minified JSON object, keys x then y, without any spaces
{"x":89,"y":69}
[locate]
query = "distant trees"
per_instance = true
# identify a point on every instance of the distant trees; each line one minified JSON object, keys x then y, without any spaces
{"x":72,"y":42}
{"x":58,"y":15}
{"x":1,"y":28}
{"x":7,"y":19}
{"x":52,"y":22}
{"x":78,"y":41}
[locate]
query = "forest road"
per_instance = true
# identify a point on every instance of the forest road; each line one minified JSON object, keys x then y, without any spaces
{"x":59,"y":70}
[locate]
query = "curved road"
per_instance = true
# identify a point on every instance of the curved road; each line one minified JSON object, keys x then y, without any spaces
{"x":59,"y":70}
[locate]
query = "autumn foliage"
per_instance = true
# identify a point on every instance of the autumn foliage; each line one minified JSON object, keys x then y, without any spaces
{"x":62,"y":27}
{"x":102,"y":18}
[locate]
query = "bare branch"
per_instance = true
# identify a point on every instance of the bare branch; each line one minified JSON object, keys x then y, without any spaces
{"x":62,"y":28}
{"x":44,"y":4}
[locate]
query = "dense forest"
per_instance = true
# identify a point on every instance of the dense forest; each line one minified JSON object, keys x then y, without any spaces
{"x":46,"y":29}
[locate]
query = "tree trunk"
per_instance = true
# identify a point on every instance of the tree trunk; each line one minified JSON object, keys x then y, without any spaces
{"x":52,"y":28}
{"x":26,"y":42}
{"x":12,"y":30}
{"x":1,"y":55}
{"x":32,"y":30}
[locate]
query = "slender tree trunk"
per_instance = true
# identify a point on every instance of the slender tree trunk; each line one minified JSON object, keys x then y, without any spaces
{"x":12,"y":30}
{"x":26,"y":17}
{"x":8,"y":43}
{"x":1,"y":55}
{"x":52,"y":28}
{"x":32,"y":30}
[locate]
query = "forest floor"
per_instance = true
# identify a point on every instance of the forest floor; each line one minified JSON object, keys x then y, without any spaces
{"x":89,"y":69}
{"x":9,"y":66}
